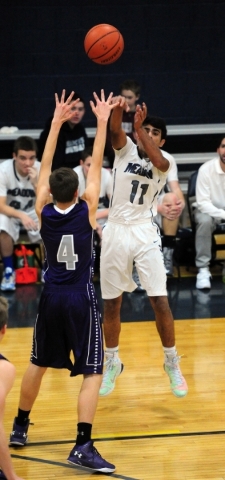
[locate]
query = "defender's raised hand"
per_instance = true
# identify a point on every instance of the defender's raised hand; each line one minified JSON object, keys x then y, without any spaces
{"x":103,"y":108}
{"x":64,"y":109}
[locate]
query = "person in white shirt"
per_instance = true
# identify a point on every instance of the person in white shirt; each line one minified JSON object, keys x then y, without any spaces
{"x":132,"y":236}
{"x":171,"y":199}
{"x":209,"y":211}
{"x":105,"y":189}
{"x":18,"y":180}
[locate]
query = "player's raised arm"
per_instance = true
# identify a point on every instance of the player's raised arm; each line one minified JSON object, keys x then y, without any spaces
{"x":101,"y":109}
{"x":118,"y":136}
{"x":152,"y":151}
{"x":63,"y":112}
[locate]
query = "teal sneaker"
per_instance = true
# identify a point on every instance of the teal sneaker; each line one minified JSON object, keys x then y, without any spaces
{"x":113,"y":368}
{"x":178,"y":383}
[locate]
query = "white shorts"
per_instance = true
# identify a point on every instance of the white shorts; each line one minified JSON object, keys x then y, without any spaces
{"x":122,"y":245}
{"x":12,"y":226}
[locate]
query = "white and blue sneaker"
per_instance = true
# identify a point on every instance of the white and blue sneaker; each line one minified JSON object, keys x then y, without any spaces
{"x":8,"y":280}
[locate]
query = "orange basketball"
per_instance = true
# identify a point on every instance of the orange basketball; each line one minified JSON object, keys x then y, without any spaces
{"x":103,"y":44}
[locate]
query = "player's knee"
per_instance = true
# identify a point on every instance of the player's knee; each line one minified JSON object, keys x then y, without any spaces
{"x":171,"y":198}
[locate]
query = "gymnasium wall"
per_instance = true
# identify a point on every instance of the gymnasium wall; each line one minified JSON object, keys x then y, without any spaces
{"x":175,"y":49}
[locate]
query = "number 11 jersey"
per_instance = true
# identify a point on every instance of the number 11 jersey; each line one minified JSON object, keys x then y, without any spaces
{"x":136,"y":186}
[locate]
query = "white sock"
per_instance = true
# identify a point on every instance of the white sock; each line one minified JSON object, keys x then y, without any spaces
{"x":169,"y":352}
{"x":112,"y":352}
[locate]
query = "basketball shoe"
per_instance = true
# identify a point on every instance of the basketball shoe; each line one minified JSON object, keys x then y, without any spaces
{"x":113,"y":368}
{"x":87,"y":456}
{"x":178,"y":383}
{"x":19,"y":434}
{"x":8,"y":280}
{"x":2,"y":476}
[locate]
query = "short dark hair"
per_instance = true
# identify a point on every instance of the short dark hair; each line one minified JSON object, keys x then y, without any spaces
{"x":25,"y":143}
{"x":3,"y":312}
{"x":75,"y":97}
{"x":63,"y":184}
{"x":131,"y":85}
{"x":87,"y":152}
{"x":220,"y":140}
{"x":157,"y":122}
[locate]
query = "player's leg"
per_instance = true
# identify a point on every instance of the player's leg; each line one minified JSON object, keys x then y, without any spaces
{"x":30,"y":387}
{"x":112,"y":328}
{"x":116,"y":266}
{"x":152,"y":273}
{"x":165,"y":326}
{"x":88,"y":361}
{"x":169,"y":228}
{"x":205,"y":225}
{"x":9,"y":233}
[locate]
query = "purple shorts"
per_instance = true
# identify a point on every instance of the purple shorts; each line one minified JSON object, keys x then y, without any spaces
{"x":68,"y":320}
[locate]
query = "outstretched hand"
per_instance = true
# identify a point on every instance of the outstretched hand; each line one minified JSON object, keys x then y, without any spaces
{"x":103,"y":108}
{"x":122,"y":103}
{"x":64,"y":109}
{"x":140,"y":115}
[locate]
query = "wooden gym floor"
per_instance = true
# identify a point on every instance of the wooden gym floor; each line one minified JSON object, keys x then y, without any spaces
{"x":141,"y":427}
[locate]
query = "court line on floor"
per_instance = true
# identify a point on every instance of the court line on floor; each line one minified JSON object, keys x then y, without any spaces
{"x":119,"y":437}
{"x":137,"y":436}
{"x":60,"y":464}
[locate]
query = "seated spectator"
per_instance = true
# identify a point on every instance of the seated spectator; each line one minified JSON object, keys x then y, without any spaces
{"x":18,"y":181}
{"x":7,"y":376}
{"x":209,"y":211}
{"x":171,"y":204}
{"x":130,"y":89}
{"x":72,"y":138}
{"x":106,"y":186}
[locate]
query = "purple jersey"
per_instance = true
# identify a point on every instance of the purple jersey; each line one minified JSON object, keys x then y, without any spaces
{"x":68,"y":242}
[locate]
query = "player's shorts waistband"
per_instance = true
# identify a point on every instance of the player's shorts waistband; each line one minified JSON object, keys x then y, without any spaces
{"x":79,"y":288}
{"x":127,"y":221}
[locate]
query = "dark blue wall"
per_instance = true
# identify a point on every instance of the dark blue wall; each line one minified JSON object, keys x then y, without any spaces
{"x":175,"y":49}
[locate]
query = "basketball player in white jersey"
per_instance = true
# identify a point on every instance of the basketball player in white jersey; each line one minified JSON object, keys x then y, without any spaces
{"x":131,"y":236}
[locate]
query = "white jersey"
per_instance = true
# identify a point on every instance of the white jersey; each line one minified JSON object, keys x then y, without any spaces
{"x":18,"y":190}
{"x":172,"y":174}
{"x":136,"y":186}
{"x":105,"y":188}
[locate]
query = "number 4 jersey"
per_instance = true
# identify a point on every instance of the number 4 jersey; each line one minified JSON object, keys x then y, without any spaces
{"x":136,"y":186}
{"x":68,"y":241}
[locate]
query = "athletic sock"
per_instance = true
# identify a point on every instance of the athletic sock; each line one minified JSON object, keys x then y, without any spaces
{"x":22,"y":417}
{"x":83,"y":433}
{"x":169,"y":353}
{"x":112,"y":352}
{"x":8,"y":262}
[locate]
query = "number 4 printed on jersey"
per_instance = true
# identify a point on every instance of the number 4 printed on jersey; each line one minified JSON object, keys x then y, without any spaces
{"x":66,"y":252}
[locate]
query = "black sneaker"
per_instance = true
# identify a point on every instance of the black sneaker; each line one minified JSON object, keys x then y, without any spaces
{"x":168,"y":260}
{"x":2,"y":476}
{"x":87,"y":456}
{"x":19,"y":434}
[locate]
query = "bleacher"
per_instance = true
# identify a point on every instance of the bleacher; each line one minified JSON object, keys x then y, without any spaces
{"x":191,"y":145}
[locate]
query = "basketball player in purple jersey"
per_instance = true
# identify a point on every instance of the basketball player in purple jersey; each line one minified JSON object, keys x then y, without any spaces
{"x":68,"y":315}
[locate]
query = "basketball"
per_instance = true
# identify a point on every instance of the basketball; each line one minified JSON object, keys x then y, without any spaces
{"x":103,"y":44}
